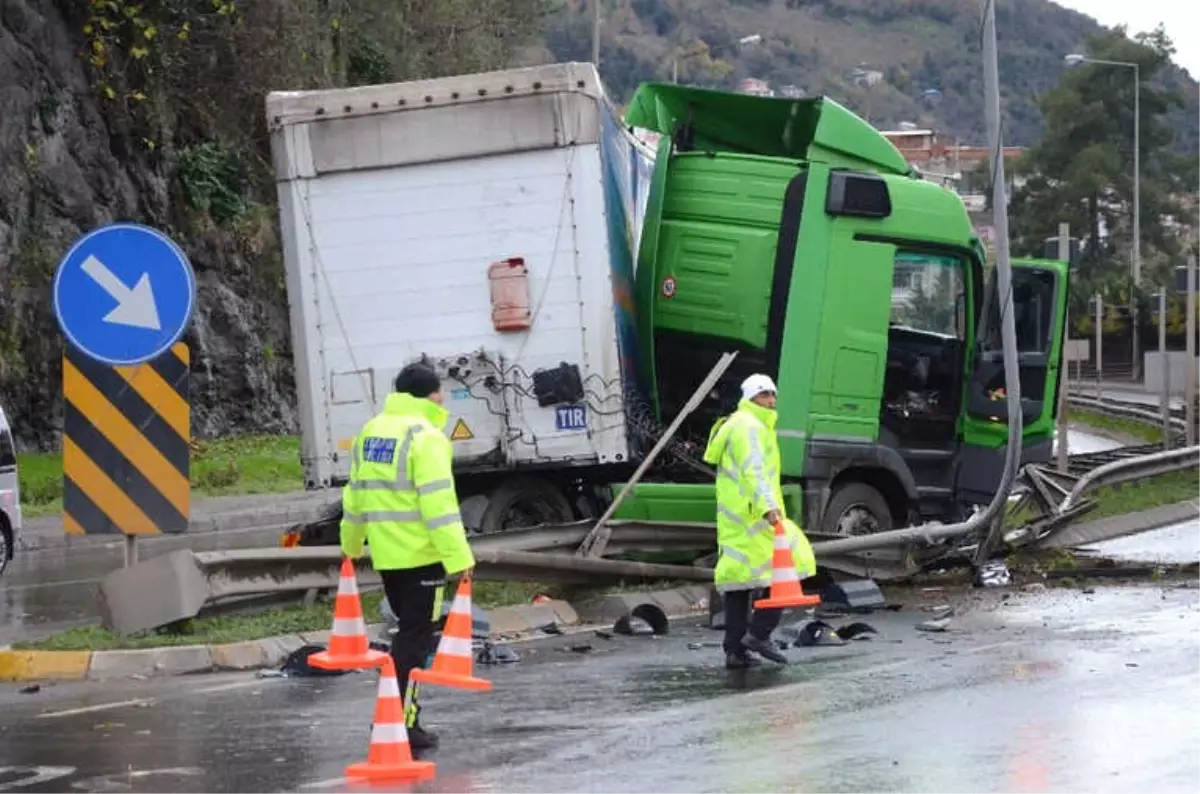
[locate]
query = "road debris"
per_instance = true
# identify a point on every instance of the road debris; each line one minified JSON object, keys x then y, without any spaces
{"x":496,"y":653}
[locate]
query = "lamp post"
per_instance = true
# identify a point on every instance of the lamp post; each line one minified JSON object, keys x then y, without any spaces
{"x":1077,"y":58}
{"x":596,"y":33}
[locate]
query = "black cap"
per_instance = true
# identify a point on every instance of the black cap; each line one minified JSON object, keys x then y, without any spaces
{"x":417,"y":379}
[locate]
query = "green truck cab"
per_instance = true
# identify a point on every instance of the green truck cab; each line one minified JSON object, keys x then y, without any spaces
{"x":793,"y":232}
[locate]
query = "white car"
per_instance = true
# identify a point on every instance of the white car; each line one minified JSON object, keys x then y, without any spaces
{"x":10,"y":495}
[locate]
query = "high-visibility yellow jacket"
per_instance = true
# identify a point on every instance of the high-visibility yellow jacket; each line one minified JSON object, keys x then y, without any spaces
{"x":743,"y":448}
{"x":400,"y":497}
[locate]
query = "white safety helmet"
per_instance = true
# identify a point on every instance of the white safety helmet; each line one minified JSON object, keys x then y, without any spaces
{"x":756,"y":385}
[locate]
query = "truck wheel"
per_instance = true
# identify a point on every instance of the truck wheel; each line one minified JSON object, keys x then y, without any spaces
{"x":525,"y":502}
{"x":856,"y":509}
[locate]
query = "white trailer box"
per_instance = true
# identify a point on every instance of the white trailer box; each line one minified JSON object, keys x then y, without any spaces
{"x":472,"y":222}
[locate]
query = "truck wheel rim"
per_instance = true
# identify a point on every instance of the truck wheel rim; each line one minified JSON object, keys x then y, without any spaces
{"x":857,"y":519}
{"x":526,"y":513}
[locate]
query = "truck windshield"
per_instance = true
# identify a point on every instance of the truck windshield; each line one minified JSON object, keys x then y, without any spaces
{"x":927,"y":294}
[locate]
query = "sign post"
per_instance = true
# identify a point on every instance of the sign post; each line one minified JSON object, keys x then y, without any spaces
{"x":1164,"y":399}
{"x":123,"y":297}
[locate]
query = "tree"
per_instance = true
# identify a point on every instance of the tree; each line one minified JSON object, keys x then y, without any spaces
{"x":1081,"y":171}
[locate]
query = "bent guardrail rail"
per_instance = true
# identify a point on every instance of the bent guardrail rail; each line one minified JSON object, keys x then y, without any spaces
{"x":1139,"y":468}
{"x":1123,"y":410}
{"x":182,"y":584}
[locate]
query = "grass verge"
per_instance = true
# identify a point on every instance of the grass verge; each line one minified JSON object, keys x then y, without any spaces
{"x":1179,"y":486}
{"x":1142,"y":431}
{"x":220,"y":629}
{"x":232,"y":466}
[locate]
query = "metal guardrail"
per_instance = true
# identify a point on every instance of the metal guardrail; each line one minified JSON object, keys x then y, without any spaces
{"x":1125,"y":410}
{"x":1060,"y":498}
{"x":186,"y":582}
{"x":1139,"y":468}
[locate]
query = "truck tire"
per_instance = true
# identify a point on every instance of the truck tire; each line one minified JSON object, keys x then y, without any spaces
{"x":856,"y":509}
{"x":525,"y":502}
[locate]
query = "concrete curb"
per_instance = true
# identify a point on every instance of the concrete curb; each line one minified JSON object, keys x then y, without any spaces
{"x":521,"y":623}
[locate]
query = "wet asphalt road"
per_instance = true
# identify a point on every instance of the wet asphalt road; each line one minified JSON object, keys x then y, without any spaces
{"x":1047,"y":691}
{"x":47,"y":590}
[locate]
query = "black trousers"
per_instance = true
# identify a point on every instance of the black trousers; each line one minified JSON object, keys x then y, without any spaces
{"x":739,"y":621}
{"x":415,"y":596}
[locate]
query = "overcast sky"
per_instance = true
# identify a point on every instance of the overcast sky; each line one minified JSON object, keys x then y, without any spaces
{"x":1179,"y":17}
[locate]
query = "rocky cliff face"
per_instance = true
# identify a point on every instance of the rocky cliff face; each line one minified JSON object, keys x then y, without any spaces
{"x":154,"y":112}
{"x":63,"y":171}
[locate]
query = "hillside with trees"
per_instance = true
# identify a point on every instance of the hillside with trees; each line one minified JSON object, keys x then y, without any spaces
{"x":917,"y":47}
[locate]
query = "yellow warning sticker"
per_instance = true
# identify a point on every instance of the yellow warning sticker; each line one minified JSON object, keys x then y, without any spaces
{"x":461,"y":432}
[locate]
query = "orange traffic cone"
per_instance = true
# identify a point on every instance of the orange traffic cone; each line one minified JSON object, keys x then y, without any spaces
{"x":389,"y":756}
{"x":452,"y":664}
{"x":785,"y":582}
{"x":348,"y":645}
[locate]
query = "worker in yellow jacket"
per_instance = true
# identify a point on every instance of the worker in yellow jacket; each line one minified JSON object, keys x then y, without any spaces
{"x":744,"y":449}
{"x":401,"y":500}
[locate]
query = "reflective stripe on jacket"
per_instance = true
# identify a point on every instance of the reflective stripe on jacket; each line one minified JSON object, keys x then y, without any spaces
{"x":400,"y":497}
{"x":744,"y":450}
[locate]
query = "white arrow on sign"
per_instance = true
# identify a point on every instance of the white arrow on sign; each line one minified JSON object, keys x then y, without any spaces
{"x":135,"y":307}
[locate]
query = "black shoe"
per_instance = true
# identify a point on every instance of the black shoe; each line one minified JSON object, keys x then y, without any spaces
{"x":764,"y":648}
{"x":741,"y":661}
{"x":421,"y":739}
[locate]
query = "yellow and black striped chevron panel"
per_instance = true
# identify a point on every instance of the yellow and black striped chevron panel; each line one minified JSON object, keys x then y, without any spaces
{"x":126,"y":445}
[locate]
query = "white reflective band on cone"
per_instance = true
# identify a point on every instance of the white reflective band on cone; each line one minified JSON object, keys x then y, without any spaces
{"x":389,"y":687}
{"x":455,"y":646}
{"x":389,"y":733}
{"x":347,"y":626}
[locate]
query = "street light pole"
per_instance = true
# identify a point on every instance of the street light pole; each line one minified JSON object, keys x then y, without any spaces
{"x":1164,"y":400}
{"x":1076,"y":58}
{"x":1190,"y":391}
{"x":596,"y":33}
{"x":1064,"y":381}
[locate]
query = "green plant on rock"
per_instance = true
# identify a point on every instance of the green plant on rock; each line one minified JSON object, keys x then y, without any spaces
{"x":214,"y":181}
{"x":132,"y":45}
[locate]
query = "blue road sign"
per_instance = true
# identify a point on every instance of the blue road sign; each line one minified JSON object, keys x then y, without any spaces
{"x":124,"y":294}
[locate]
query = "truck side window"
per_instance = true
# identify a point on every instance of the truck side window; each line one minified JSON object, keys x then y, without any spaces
{"x":927,"y":293}
{"x":1033,"y":318}
{"x":8,"y":453}
{"x":1033,"y":297}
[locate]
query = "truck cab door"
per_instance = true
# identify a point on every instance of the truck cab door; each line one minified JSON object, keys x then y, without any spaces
{"x":1039,"y":302}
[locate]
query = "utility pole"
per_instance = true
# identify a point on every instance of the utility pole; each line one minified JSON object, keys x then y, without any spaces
{"x":1190,"y":391}
{"x":1164,"y":399}
{"x":1008,"y":334}
{"x":1099,"y":346}
{"x":1137,"y":213}
{"x":596,"y":33}
{"x":1064,"y":255}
